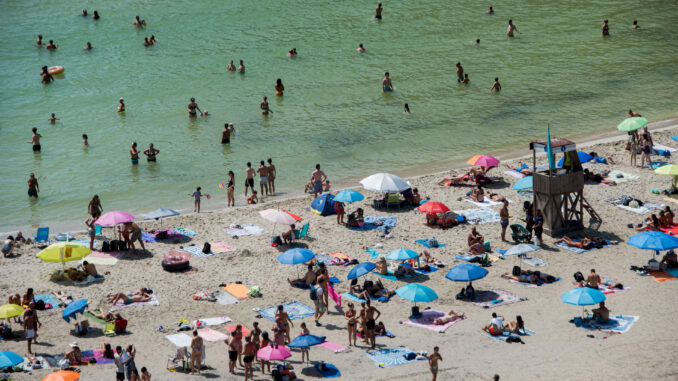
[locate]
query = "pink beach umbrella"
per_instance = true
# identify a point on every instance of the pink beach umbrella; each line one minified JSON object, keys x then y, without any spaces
{"x":274,"y":353}
{"x":114,"y":218}
{"x":484,"y":161}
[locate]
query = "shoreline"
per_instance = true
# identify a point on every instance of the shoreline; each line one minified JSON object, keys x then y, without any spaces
{"x":439,"y":167}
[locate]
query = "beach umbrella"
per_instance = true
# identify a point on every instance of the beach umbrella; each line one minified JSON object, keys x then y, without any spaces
{"x":8,"y":359}
{"x":483,"y":161}
{"x":632,"y":124}
{"x":583,"y":296}
{"x":402,"y":255}
{"x":670,"y":170}
{"x":114,"y":218}
{"x":161,"y":213}
{"x":384,"y":183}
{"x":417,"y":293}
{"x":433,"y":207}
{"x":295,"y":256}
{"x":466,"y":272}
{"x":349,"y":195}
{"x":305,"y":341}
{"x":76,"y":307}
{"x":583,"y":158}
{"x":63,"y":375}
{"x":296,"y":218}
{"x":64,"y":252}
{"x":9,"y":311}
{"x":524,"y":183}
{"x":360,"y":270}
{"x":653,"y":240}
{"x":277,"y":216}
{"x":274,"y":353}
{"x":521,"y":249}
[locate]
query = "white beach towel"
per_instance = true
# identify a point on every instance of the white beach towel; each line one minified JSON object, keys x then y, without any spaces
{"x":625,"y":176}
{"x":514,"y":173}
{"x":152,"y":302}
{"x":486,"y":203}
{"x":224,"y":298}
{"x":213,"y":320}
{"x":664,"y":148}
{"x":180,"y":340}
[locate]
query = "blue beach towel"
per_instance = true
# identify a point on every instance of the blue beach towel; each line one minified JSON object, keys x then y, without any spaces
{"x":386,"y":357}
{"x":295,"y":310}
{"x":479,"y":216}
{"x":579,"y":250}
{"x":422,"y":271}
{"x":467,"y":257}
{"x":505,"y":335}
{"x":673,"y":272}
{"x":369,"y":223}
{"x":48,"y":298}
{"x":354,"y":298}
{"x":616,"y":323}
{"x":392,"y":277}
{"x":373,"y":252}
{"x":425,"y":242}
{"x":330,"y":370}
{"x":148,"y":237}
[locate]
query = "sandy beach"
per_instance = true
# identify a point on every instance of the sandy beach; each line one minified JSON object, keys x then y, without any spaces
{"x":557,"y":351}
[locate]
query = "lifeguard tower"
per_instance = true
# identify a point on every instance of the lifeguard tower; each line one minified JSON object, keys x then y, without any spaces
{"x":559,"y":193}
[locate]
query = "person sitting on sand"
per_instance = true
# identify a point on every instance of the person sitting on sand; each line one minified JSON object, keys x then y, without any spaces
{"x":473,"y":235}
{"x":75,"y":355}
{"x":516,"y":326}
{"x":253,"y":199}
{"x":382,"y":266}
{"x":670,"y":260}
{"x":380,"y":329}
{"x":583,"y":244}
{"x":8,"y":246}
{"x":598,"y":177}
{"x":107,"y":351}
{"x":496,"y":326}
{"x":650,"y":223}
{"x":287,"y":236}
{"x":601,"y":314}
{"x":75,"y":275}
{"x":476,"y":248}
{"x":416,"y":197}
{"x":426,"y":257}
{"x":64,"y":299}
{"x":448,"y":318}
{"x":667,"y":210}
{"x":90,"y":269}
{"x":477,"y":194}
{"x":355,"y":219}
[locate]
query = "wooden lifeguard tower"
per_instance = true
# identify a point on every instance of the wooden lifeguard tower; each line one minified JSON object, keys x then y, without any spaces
{"x":559,"y":193}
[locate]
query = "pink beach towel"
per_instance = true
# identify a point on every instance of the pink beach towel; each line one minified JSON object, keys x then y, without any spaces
{"x":221,"y":247}
{"x":211,"y":335}
{"x":335,"y":296}
{"x":334,"y":347}
{"x":427,"y":319}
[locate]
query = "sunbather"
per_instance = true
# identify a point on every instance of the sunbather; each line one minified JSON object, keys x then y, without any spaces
{"x":90,"y":269}
{"x":134,"y":298}
{"x":650,"y":223}
{"x":670,"y":260}
{"x":598,"y":177}
{"x":477,"y":194}
{"x":427,"y":259}
{"x":669,"y":215}
{"x":473,"y":235}
{"x":107,"y":351}
{"x":496,"y":325}
{"x":583,"y":244}
{"x":476,"y":248}
{"x":288,"y":236}
{"x":355,"y":219}
{"x":525,"y":277}
{"x":63,"y":298}
{"x":75,"y":355}
{"x":523,"y":168}
{"x":448,"y":317}
{"x":450,"y":180}
{"x":601,"y":314}
{"x":380,"y":329}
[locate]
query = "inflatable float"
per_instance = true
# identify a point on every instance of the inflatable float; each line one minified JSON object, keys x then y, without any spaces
{"x":54,"y":70}
{"x":176,"y":260}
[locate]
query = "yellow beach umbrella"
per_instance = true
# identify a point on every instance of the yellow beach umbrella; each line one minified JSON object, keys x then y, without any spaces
{"x":64,"y":252}
{"x":10,"y":310}
{"x":669,"y":170}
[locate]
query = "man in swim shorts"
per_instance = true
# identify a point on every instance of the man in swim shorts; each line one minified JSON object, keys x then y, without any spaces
{"x":511,"y":28}
{"x":379,"y":9}
{"x":496,"y":86}
{"x":134,"y":154}
{"x":263,"y":178}
{"x":386,"y":82}
{"x":249,"y":178}
{"x":460,"y":72}
{"x":33,"y":187}
{"x":35,"y":140}
{"x":496,"y":325}
{"x":433,"y":362}
{"x":248,"y":356}
{"x":30,"y":327}
{"x":226,"y":135}
{"x":370,"y":322}
{"x":317,"y":178}
{"x":504,"y":219}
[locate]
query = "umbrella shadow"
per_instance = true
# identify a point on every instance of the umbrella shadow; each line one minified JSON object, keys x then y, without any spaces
{"x":311,"y":372}
{"x":292,"y":245}
{"x":482,"y":297}
{"x":141,"y":254}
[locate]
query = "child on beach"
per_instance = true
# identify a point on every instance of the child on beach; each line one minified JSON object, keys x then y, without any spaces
{"x":304,"y":350}
{"x":196,"y":203}
{"x":52,"y":119}
{"x":253,"y":198}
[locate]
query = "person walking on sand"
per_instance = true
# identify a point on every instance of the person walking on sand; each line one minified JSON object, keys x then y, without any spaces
{"x":35,"y":140}
{"x":504,"y":219}
{"x":496,"y":86}
{"x":263,"y":178}
{"x":317,"y":178}
{"x":511,"y":28}
{"x":386,"y":84}
{"x":134,"y":154}
{"x":33,"y":186}
{"x":196,"y":202}
{"x":230,"y":188}
{"x":271,"y":176}
{"x":249,"y":178}
{"x":196,"y":351}
{"x":378,"y":10}
{"x":433,"y":362}
{"x":606,"y":28}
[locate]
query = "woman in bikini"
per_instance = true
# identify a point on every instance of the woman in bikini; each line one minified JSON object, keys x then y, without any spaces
{"x":517,"y":325}
{"x":237,"y":338}
{"x":192,"y":106}
{"x":230,"y":188}
{"x":449,"y":317}
{"x":265,"y":341}
{"x":151,"y":152}
{"x":351,"y":324}
{"x":583,"y":244}
{"x":279,"y":88}
{"x":286,"y":321}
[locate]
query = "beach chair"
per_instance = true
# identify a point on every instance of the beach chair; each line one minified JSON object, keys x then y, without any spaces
{"x":180,"y":355}
{"x":393,"y":199}
{"x":301,"y":233}
{"x":520,"y":234}
{"x":109,"y":330}
{"x":42,"y":236}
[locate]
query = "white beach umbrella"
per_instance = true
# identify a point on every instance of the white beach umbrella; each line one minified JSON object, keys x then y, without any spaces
{"x":277,"y":216}
{"x":384,"y":183}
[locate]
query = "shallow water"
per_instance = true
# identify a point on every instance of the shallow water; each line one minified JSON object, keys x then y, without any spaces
{"x":559,"y":71}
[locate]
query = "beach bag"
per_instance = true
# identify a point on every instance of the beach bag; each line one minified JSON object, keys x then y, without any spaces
{"x":312,"y":294}
{"x":578,"y":276}
{"x":516,"y":271}
{"x":207,"y":248}
{"x":106,"y":246}
{"x":162,"y":235}
{"x":40,"y":305}
{"x":433,"y":242}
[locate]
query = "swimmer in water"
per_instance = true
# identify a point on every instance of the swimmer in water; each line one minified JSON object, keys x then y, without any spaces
{"x":477,"y":41}
{"x":511,"y":28}
{"x":361,"y":49}
{"x":51,"y":45}
{"x":134,"y":154}
{"x":205,"y":113}
{"x":606,"y":28}
{"x":138,"y":22}
{"x":635,"y":25}
{"x":386,"y":82}
{"x":152,"y":40}
{"x":46,"y":76}
{"x":147,"y":42}
{"x":95,"y":16}
{"x":39,"y":40}
{"x":460,"y":72}
{"x":490,"y":11}
{"x":88,"y":47}
{"x":407,"y":109}
{"x":379,"y":9}
{"x":292,"y":52}
{"x":192,"y":106}
{"x":84,"y":13}
{"x":230,"y":66}
{"x":496,"y":86}
{"x":466,"y":80}
{"x":279,"y":88}
{"x":121,"y":106}
{"x":84,"y":140}
{"x":150,"y":152}
{"x":35,"y":140}
{"x":52,"y":119}
{"x":264,"y":106}
{"x":241,"y":67}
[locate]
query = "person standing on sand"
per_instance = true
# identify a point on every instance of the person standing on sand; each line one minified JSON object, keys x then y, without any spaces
{"x":460,"y":72}
{"x":511,"y":28}
{"x":369,"y":322}
{"x":196,"y":202}
{"x":249,"y":178}
{"x":263,"y":178}
{"x":94,"y":208}
{"x":504,"y":219}
{"x":433,"y":362}
{"x":226,"y":135}
{"x":386,"y":82}
{"x":271,"y":176}
{"x":30,"y":328}
{"x":135,"y":235}
{"x":248,"y":353}
{"x":230,"y":188}
{"x":606,"y":28}
{"x":496,"y":86}
{"x":378,"y":10}
{"x":134,"y":154}
{"x":196,"y":351}
{"x":317,"y":178}
{"x":33,"y":187}
{"x":35,"y":140}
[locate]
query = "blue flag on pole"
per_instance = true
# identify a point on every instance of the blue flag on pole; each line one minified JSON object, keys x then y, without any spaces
{"x":549,"y":149}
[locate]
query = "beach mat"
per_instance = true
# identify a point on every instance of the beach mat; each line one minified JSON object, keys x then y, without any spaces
{"x":48,"y":298}
{"x":98,"y":355}
{"x":211,"y":335}
{"x":245,"y":230}
{"x":424,"y":242}
{"x":358,"y":300}
{"x":514,"y":173}
{"x":330,"y":371}
{"x":485,"y":203}
{"x":479,"y":216}
{"x":616,"y":323}
{"x":374,"y":222}
{"x":506,"y":334}
{"x":386,"y":357}
{"x":661,"y":276}
{"x":625,"y":176}
{"x":579,"y":250}
{"x":334,"y":347}
{"x":500,"y":297}
{"x":295,"y":310}
{"x":153,"y":302}
{"x":427,"y":318}
{"x":224,"y":298}
{"x":392,"y":277}
{"x":196,"y":251}
{"x":89,"y":315}
{"x":534,"y":261}
{"x":212,"y":321}
{"x":238,"y":290}
{"x":180,"y":340}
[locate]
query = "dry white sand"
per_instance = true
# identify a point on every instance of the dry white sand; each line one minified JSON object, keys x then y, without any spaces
{"x":559,"y":350}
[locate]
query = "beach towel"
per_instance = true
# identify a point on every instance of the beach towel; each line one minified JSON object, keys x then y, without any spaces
{"x":89,"y":315}
{"x":645,"y":209}
{"x":579,"y":250}
{"x":425,"y":242}
{"x":90,"y":279}
{"x":661,"y":276}
{"x":673,"y":272}
{"x":121,"y":305}
{"x":196,"y":250}
{"x":616,"y":323}
{"x":186,"y":232}
{"x":388,"y":334}
{"x":245,"y":331}
{"x":506,"y":334}
{"x":98,"y":355}
{"x":479,"y":216}
{"x":254,"y":229}
{"x":329,"y":371}
{"x":532,"y":285}
{"x":85,"y":242}
{"x":238,"y":290}
{"x":386,"y":357}
{"x":352,"y":297}
{"x":334,"y":347}
{"x":295,"y":310}
{"x":148,"y":237}
{"x":219,"y":247}
{"x":104,"y":259}
{"x":211,"y":335}
{"x":485,"y":204}
{"x":334,"y":295}
{"x":392,"y":277}
{"x":514,"y":173}
{"x":46,"y":362}
{"x":534,"y":261}
{"x":495,"y":297}
{"x":48,"y":299}
{"x":614,"y":176}
{"x":224,"y":298}
{"x":427,"y":318}
{"x":373,"y":252}
{"x":374,"y":222}
{"x":180,"y":340}
{"x":212,"y":321}
{"x":236,"y":232}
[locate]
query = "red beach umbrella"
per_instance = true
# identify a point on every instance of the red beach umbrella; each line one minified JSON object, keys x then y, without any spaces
{"x":433,"y":207}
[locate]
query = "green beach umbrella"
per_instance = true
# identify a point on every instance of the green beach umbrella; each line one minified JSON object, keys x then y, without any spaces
{"x":669,"y":170}
{"x":632,"y":124}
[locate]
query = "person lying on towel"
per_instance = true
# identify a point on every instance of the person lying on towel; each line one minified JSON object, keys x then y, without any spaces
{"x":448,"y":317}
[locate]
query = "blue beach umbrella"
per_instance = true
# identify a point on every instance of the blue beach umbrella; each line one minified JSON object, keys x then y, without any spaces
{"x":76,"y":307}
{"x":417,"y":293}
{"x":8,"y":359}
{"x":305,"y":341}
{"x":583,"y":296}
{"x":583,"y":158}
{"x":360,"y":270}
{"x":295,"y":256}
{"x":466,"y":272}
{"x":401,"y":255}
{"x":524,"y":183}
{"x":653,"y":240}
{"x":349,"y":195}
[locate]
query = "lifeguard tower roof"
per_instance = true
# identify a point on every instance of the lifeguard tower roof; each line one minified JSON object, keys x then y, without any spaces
{"x":557,"y":145}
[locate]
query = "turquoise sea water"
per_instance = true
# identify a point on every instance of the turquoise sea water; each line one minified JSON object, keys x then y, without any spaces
{"x":559,"y":71}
